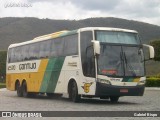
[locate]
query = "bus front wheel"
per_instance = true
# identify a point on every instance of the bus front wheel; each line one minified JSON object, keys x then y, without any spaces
{"x":73,"y":92}
{"x":114,"y":99}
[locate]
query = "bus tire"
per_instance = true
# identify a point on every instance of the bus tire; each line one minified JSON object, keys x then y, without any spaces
{"x":114,"y":99}
{"x":24,"y":89}
{"x":73,"y":92}
{"x":19,"y":89}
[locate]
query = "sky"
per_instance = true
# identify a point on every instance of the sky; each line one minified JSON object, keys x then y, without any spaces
{"x":139,"y":10}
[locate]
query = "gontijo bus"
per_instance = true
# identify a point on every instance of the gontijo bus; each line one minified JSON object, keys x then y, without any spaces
{"x":89,"y":62}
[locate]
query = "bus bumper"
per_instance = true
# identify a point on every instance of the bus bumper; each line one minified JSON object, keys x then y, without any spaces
{"x":110,"y":90}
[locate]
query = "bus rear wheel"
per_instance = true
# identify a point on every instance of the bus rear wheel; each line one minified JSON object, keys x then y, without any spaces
{"x":73,"y":92}
{"x":24,"y":89}
{"x":19,"y":89}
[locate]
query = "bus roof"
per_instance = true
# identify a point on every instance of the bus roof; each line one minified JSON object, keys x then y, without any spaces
{"x":66,"y":33}
{"x":107,"y":29}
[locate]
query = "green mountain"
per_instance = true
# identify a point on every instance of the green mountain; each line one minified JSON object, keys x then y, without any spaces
{"x":14,"y":30}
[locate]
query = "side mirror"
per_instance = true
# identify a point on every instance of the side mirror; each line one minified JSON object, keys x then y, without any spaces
{"x":96,"y":46}
{"x":151,"y":51}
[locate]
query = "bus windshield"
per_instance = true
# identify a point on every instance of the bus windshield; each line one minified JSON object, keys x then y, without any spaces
{"x":121,"y":54}
{"x":117,"y":37}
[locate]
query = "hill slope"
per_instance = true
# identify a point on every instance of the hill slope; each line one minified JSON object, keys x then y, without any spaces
{"x":22,"y":29}
{"x":13,"y":30}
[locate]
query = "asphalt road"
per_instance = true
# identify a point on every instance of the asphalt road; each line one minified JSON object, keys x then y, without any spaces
{"x":10,"y":102}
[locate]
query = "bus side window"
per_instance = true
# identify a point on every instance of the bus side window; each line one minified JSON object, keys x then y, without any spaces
{"x":17,"y":54}
{"x":58,"y":47}
{"x":9,"y":55}
{"x":25,"y":51}
{"x":88,"y":64}
{"x":12,"y":55}
{"x":33,"y":49}
{"x":53,"y":49}
{"x":45,"y":47}
{"x":36,"y":51}
{"x":71,"y":45}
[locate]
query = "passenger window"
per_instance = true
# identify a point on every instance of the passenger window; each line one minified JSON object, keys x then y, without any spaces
{"x":71,"y":45}
{"x":57,"y":48}
{"x":17,"y":54}
{"x":25,"y":52}
{"x":33,"y":51}
{"x":9,"y":55}
{"x":45,"y":47}
{"x":53,"y":49}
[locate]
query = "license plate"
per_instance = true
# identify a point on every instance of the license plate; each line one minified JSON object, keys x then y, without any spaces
{"x":124,"y":90}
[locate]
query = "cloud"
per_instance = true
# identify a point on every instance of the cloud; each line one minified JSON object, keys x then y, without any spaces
{"x":49,"y":1}
{"x":102,"y":5}
{"x":136,"y":8}
{"x":143,"y":10}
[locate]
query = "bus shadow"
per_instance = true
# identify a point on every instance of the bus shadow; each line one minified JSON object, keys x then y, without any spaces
{"x":45,"y":97}
{"x":85,"y":100}
{"x":99,"y":101}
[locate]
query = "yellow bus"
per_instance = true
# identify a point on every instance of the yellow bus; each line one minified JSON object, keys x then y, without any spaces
{"x":88,"y":62}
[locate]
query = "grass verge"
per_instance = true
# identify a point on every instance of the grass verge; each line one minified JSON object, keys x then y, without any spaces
{"x":2,"y":85}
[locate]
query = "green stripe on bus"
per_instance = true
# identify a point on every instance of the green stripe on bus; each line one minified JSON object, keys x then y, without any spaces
{"x":68,"y":33}
{"x":51,"y":75}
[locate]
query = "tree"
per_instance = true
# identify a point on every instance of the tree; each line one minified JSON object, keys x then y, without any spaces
{"x":3,"y":56}
{"x":156,"y":45}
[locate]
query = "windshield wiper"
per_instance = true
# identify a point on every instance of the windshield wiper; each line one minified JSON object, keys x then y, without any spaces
{"x":129,"y":65}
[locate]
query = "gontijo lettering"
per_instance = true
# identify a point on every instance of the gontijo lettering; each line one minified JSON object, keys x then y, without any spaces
{"x":27,"y":66}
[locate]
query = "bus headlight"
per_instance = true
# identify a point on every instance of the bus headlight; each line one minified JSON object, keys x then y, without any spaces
{"x":142,"y":82}
{"x":104,"y":81}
